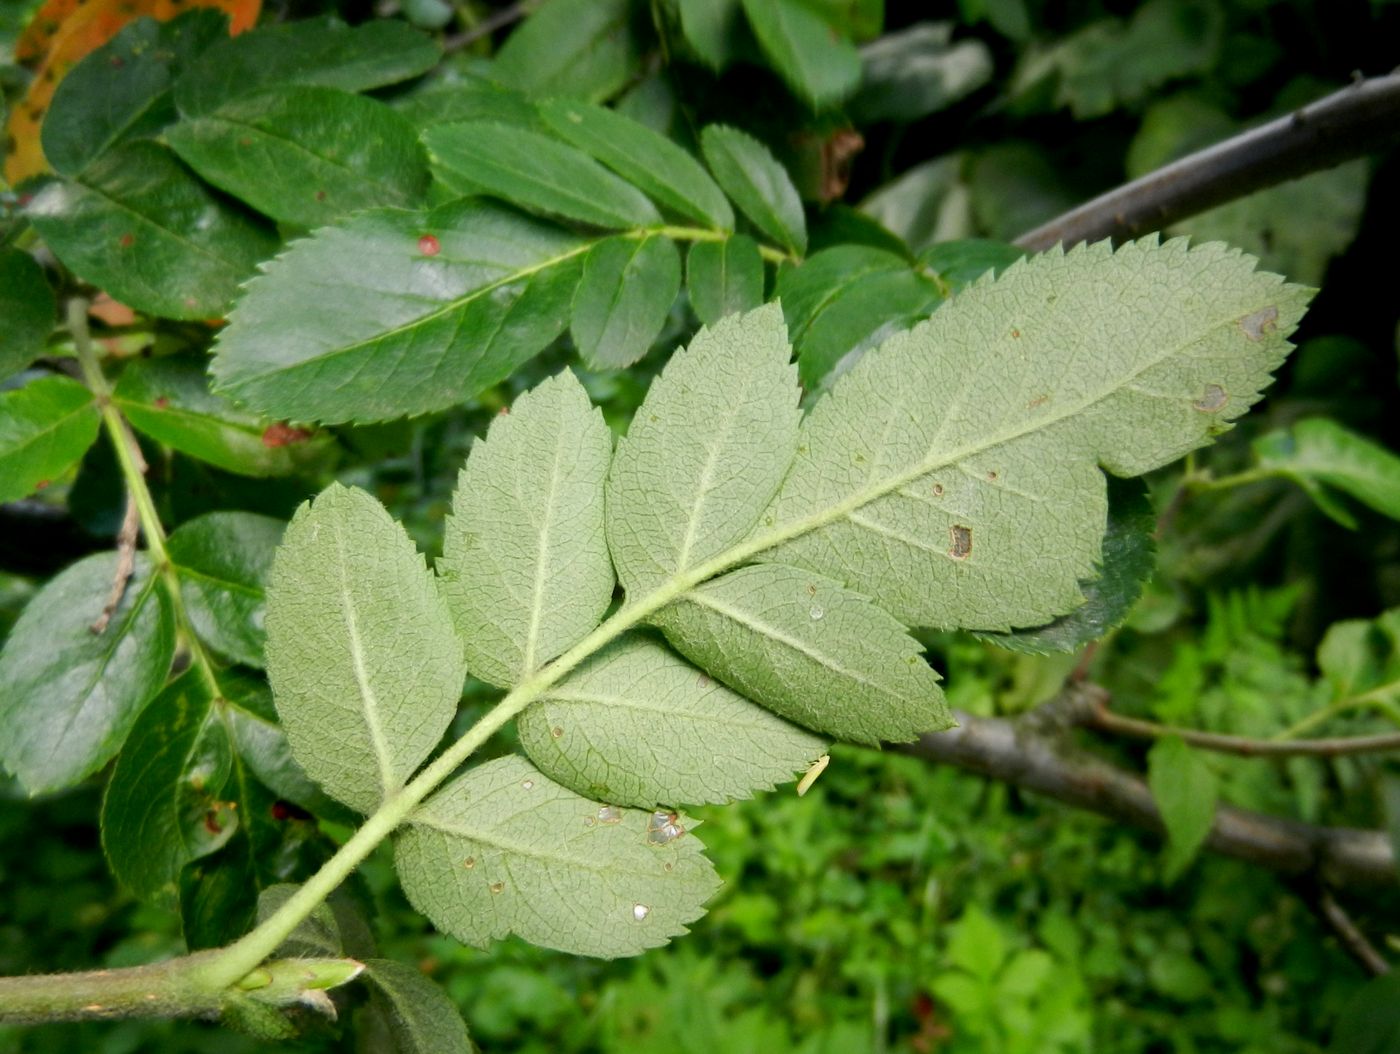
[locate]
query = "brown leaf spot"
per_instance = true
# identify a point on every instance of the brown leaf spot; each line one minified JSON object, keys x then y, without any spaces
{"x":429,"y":246}
{"x":283,"y":434}
{"x":938,"y":490}
{"x":161,"y":402}
{"x":42,"y":484}
{"x":1212,"y":400}
{"x":320,"y":195}
{"x":127,"y":240}
{"x":1015,"y":334}
{"x":960,"y":541}
{"x":1261,"y":323}
{"x":1039,"y":400}
{"x":211,"y":822}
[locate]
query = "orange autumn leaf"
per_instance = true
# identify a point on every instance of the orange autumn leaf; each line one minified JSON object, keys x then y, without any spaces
{"x":64,"y":32}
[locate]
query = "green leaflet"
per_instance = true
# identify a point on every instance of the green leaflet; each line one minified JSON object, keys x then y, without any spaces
{"x":953,"y":473}
{"x":138,"y":224}
{"x":169,"y":400}
{"x":45,"y":427}
{"x":713,"y":29}
{"x":1185,"y":790}
{"x":536,"y":172}
{"x":819,"y":64}
{"x":637,"y":725}
{"x":417,"y":311}
{"x":164,"y":804}
{"x":27,"y":306}
{"x":71,"y":695}
{"x":525,"y":568}
{"x":121,"y":91}
{"x":705,"y":452}
{"x":669,"y":175}
{"x":223,"y":560}
{"x":317,"y":51}
{"x":306,"y":155}
{"x":724,"y":277}
{"x":363,"y":661}
{"x":960,"y":263}
{"x":759,"y":185}
{"x":917,"y":71}
{"x":419,"y":1017}
{"x":504,"y":850}
{"x":622,"y":301}
{"x":1319,"y":451}
{"x":811,"y":651}
{"x":583,"y":49}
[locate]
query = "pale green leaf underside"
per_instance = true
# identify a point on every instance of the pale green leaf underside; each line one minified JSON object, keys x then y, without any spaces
{"x":505,"y":850}
{"x":706,"y":450}
{"x":637,"y":725}
{"x":419,"y":1015}
{"x":363,"y":661}
{"x":811,"y":651}
{"x":953,"y":474}
{"x":525,"y":567}
{"x":415,"y":311}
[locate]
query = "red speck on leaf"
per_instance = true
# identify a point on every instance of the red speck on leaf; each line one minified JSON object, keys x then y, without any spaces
{"x":283,"y":434}
{"x":161,"y":402}
{"x":320,"y":195}
{"x":211,"y":822}
{"x":127,"y":240}
{"x":42,"y":484}
{"x":429,"y":246}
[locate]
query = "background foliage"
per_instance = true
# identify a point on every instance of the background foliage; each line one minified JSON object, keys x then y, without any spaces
{"x":899,"y":906}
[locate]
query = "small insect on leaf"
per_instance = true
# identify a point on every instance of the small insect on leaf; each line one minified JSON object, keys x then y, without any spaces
{"x":810,"y":776}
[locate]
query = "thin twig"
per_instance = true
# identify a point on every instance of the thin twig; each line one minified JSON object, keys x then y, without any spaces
{"x":126,"y":564}
{"x":488,"y":25}
{"x":1357,"y":121}
{"x":1105,"y":720}
{"x":1350,"y":936}
{"x":1032,"y":754}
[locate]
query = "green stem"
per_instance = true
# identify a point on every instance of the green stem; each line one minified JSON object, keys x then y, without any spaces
{"x":1376,"y":699}
{"x":706,"y":234}
{"x":133,"y":475}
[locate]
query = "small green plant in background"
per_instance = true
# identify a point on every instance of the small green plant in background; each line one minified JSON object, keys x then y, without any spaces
{"x":706,"y":465}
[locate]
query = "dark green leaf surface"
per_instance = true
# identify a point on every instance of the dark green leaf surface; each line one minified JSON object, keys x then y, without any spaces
{"x":818,"y":63}
{"x":470,"y":99}
{"x":419,"y":1016}
{"x":45,"y":427}
{"x":502,"y":850}
{"x":758,"y":184}
{"x":364,"y":663}
{"x":917,"y":71}
{"x":416,"y":311}
{"x":121,"y":91}
{"x":624,"y":728}
{"x":672,"y":178}
{"x":306,"y":155}
{"x":71,"y":695}
{"x":163,"y":806}
{"x":724,"y":277}
{"x":141,"y":226}
{"x":960,"y":263}
{"x":715,"y":29}
{"x":627,"y":290}
{"x":842,"y":301}
{"x":811,"y":651}
{"x":1185,"y":790}
{"x":26,"y":311}
{"x":1370,"y":1021}
{"x":322,"y":51}
{"x":223,"y":560}
{"x":584,"y":49}
{"x":1320,"y":451}
{"x":1129,"y":558}
{"x":536,"y":172}
{"x":169,"y":400}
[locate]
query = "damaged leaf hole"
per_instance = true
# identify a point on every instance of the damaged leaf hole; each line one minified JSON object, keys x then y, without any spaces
{"x":663,"y":827}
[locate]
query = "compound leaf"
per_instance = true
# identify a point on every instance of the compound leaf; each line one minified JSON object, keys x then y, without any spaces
{"x":758,"y":183}
{"x":706,"y":450}
{"x":638,"y":725}
{"x":809,"y":650}
{"x":72,"y":695}
{"x":622,"y":301}
{"x":45,"y":427}
{"x":163,"y":807}
{"x":536,"y":172}
{"x":306,"y":155}
{"x":364,"y":664}
{"x":525,"y":567}
{"x":954,"y":472}
{"x":724,"y":278}
{"x":416,"y":311}
{"x":647,"y":159}
{"x":223,"y":560}
{"x":502,"y":849}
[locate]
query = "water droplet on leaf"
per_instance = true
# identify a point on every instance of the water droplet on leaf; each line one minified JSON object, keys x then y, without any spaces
{"x":816,"y":614}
